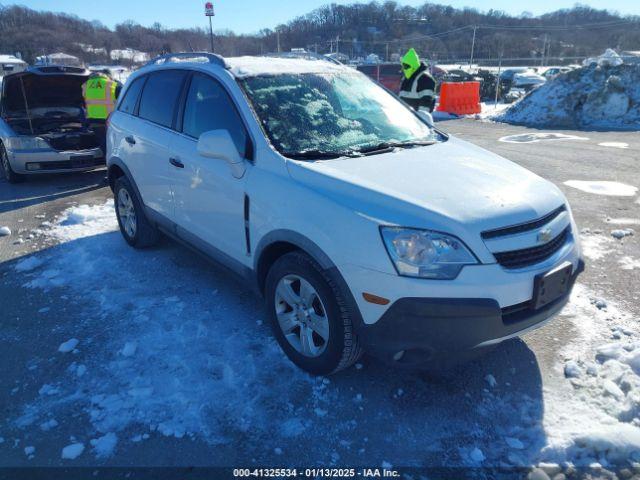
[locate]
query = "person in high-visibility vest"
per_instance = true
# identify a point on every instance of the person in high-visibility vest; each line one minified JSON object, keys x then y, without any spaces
{"x":418,"y":88}
{"x":100,"y":94}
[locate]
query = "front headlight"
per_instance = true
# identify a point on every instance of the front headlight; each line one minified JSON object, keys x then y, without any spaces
{"x":426,"y":254}
{"x":28,"y":143}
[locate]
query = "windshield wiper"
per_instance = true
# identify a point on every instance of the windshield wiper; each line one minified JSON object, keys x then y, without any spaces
{"x":316,"y":155}
{"x":388,"y":146}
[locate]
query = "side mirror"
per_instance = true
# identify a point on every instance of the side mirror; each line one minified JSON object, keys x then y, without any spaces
{"x":426,"y":118}
{"x":219,"y":144}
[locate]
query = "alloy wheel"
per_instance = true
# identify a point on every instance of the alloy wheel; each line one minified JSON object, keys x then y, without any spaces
{"x":127,"y":213}
{"x":302,"y":316}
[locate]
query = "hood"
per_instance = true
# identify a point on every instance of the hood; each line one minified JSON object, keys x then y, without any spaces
{"x":43,"y":90}
{"x":452,"y":186}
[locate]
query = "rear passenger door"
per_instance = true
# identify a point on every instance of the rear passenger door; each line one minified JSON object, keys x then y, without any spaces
{"x":209,"y":201}
{"x":148,"y":139}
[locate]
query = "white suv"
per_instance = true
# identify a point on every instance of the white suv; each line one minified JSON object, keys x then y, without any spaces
{"x":364,"y":227}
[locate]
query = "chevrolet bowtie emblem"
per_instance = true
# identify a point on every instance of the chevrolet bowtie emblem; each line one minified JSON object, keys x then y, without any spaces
{"x":545,"y":235}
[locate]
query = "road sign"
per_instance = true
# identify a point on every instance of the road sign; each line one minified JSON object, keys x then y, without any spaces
{"x":208,"y":9}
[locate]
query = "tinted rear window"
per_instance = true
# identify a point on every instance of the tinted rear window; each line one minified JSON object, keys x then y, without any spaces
{"x":160,"y":95}
{"x":128,"y":104}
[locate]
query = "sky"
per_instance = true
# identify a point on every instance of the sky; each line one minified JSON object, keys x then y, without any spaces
{"x":249,"y":16}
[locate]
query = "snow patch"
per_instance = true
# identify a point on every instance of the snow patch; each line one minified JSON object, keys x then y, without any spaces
{"x":28,"y":264}
{"x":629,"y":263}
{"x":73,"y":451}
{"x":539,"y":137}
{"x":5,"y":231}
{"x":476,"y":455}
{"x":613,"y":189}
{"x":104,"y":446}
{"x":614,"y":145}
{"x":68,"y":346}
{"x":85,"y":221}
{"x":595,"y":246}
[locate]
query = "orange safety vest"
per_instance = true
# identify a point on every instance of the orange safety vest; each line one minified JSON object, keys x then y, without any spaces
{"x":99,"y":97}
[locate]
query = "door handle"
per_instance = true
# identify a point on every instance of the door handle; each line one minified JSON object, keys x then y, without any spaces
{"x":130,"y":140}
{"x":176,"y":162}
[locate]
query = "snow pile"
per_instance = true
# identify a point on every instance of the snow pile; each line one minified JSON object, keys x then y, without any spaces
{"x":85,"y":220}
{"x":5,"y":231}
{"x":592,"y":97}
{"x":598,"y":419}
{"x":608,"y":59}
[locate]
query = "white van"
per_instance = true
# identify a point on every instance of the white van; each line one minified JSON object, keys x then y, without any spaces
{"x":364,"y":227}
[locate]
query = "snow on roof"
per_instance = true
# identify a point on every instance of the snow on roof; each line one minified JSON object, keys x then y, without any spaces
{"x":254,"y":66}
{"x":10,"y":59}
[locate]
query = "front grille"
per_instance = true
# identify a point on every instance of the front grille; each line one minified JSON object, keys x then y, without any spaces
{"x":531,"y":256}
{"x":523,"y":227}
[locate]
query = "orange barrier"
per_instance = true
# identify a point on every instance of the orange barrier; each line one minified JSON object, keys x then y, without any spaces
{"x":460,"y":98}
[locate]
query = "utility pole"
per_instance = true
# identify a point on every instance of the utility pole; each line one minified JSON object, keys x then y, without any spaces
{"x":473,"y":45}
{"x":387,"y":52}
{"x":495,"y":105}
{"x":544,"y":49}
{"x":338,"y":45}
{"x":278,"y":39}
{"x":209,"y":12}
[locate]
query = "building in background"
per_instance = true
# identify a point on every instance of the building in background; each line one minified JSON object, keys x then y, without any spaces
{"x":11,"y":64}
{"x":59,"y":59}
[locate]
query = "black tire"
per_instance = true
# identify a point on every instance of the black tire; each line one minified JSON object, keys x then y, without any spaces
{"x":9,"y":174}
{"x":145,"y":234}
{"x":342,"y":348}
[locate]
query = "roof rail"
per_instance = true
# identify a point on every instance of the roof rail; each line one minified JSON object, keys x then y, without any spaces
{"x":184,"y":56}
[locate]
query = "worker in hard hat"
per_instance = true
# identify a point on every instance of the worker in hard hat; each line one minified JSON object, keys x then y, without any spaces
{"x":418,"y":87}
{"x":100,"y":93}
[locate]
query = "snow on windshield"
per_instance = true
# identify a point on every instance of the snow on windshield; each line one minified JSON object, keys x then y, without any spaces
{"x":330,"y":112}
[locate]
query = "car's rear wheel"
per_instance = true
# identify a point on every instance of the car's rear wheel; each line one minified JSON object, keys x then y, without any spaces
{"x":9,"y":174}
{"x":134,"y":226}
{"x":309,"y":316}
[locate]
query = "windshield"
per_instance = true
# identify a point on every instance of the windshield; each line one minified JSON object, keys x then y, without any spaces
{"x":332,"y":113}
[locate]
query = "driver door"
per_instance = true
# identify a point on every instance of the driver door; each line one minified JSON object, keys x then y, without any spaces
{"x":209,"y":201}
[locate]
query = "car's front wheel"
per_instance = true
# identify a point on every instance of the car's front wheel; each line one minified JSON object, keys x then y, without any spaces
{"x":309,"y":316}
{"x":134,"y":226}
{"x":9,"y":174}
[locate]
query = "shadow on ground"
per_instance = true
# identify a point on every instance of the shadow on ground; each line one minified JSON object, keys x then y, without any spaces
{"x":39,"y":189}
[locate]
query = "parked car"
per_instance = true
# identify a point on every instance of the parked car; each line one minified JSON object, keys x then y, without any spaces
{"x":387,"y":74}
{"x":528,"y":80}
{"x":363,"y":226}
{"x":555,"y":71}
{"x":42,"y":125}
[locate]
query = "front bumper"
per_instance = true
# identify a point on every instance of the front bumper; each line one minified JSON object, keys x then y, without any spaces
{"x":29,"y":162}
{"x":440,"y":332}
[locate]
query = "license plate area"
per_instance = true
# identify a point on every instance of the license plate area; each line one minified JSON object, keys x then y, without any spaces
{"x":79,"y":161}
{"x":552,"y":285}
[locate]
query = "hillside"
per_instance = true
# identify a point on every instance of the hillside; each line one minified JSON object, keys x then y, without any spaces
{"x":356,"y":30}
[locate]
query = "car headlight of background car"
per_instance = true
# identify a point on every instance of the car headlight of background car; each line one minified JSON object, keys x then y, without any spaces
{"x":28,"y":143}
{"x":425,"y":253}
